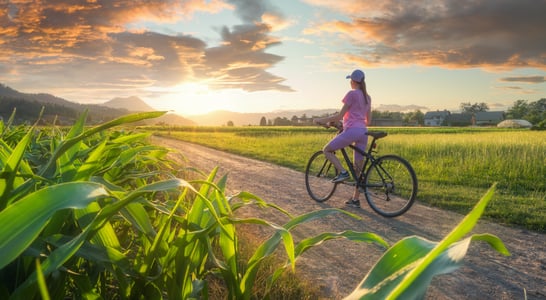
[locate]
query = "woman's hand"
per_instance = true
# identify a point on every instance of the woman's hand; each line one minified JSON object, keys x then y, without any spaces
{"x":327,"y":124}
{"x":321,"y":122}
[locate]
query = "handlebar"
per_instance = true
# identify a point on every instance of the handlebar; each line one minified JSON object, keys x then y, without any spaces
{"x":337,"y":125}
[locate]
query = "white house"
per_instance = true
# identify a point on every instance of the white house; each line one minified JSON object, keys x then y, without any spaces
{"x":436,"y":118}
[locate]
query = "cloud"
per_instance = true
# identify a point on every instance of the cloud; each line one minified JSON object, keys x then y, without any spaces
{"x":87,"y":44}
{"x":447,"y":33}
{"x":525,"y":79}
{"x":241,"y":61}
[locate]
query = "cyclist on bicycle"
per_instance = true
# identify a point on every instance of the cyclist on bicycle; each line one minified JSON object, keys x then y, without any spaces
{"x":356,"y":116}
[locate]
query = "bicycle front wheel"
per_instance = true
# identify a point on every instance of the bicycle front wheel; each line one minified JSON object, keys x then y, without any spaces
{"x":390,"y":186}
{"x":318,"y":177}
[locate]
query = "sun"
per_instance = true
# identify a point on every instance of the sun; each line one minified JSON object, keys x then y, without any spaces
{"x":197,"y":98}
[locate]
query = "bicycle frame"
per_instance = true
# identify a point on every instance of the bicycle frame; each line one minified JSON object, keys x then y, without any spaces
{"x":368,"y":159}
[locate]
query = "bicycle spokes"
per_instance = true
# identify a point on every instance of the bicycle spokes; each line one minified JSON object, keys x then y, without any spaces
{"x":390,"y":186}
{"x":318,"y":177}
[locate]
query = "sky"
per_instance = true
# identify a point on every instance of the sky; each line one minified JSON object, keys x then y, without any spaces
{"x":197,"y":56}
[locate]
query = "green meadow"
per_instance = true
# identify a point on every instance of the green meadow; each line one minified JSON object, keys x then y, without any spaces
{"x":455,"y":166}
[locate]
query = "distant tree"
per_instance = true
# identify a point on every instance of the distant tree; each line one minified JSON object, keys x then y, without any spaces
{"x":534,"y":112}
{"x":263,"y":121}
{"x":281,"y":122}
{"x":391,"y":115}
{"x":294,"y":120}
{"x":230,"y":123}
{"x":518,"y":111}
{"x":537,"y":111}
{"x":467,"y":107}
{"x":414,"y":117}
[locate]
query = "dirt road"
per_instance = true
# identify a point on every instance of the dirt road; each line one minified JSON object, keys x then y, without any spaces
{"x":338,"y":266}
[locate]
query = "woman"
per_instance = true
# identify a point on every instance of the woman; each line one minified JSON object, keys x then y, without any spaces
{"x":356,"y":116}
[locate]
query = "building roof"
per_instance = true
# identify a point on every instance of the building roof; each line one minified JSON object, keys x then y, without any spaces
{"x":489,"y":115}
{"x":435,"y":114}
{"x":460,"y":117}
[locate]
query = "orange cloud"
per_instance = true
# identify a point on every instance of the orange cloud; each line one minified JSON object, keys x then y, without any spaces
{"x":87,"y":43}
{"x":488,"y":34}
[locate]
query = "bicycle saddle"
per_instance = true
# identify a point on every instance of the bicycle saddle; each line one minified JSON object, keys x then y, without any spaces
{"x":377,"y":134}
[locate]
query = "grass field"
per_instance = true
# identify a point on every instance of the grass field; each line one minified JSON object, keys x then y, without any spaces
{"x":455,"y":166}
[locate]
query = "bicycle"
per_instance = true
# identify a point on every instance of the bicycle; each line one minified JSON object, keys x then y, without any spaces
{"x":388,"y":182}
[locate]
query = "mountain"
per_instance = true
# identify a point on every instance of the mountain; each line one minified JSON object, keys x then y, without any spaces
{"x":222,"y":117}
{"x":135,"y":104}
{"x":132,"y":103}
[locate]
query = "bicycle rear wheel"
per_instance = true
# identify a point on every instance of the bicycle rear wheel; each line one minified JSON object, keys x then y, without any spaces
{"x":390,"y":186}
{"x":318,"y":177}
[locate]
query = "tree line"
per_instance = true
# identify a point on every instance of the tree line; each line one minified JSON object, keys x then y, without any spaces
{"x":532,"y":111}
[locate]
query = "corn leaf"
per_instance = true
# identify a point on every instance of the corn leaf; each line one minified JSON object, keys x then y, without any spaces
{"x":99,"y":254}
{"x":69,"y":143}
{"x":66,"y":161}
{"x":106,"y":235}
{"x":22,"y":222}
{"x":308,"y":243}
{"x":406,"y":269}
{"x":282,"y":233}
{"x":41,"y":282}
{"x":10,"y":168}
{"x":92,"y":164}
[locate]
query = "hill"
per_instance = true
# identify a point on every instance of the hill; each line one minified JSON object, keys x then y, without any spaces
{"x":64,"y":112}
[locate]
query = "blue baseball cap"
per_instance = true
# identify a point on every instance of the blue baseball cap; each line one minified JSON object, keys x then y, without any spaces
{"x":357,"y":76}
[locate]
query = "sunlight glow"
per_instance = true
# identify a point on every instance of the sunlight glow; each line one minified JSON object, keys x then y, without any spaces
{"x":196,"y":98}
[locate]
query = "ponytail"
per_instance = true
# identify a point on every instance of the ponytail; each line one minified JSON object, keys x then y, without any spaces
{"x":364,"y":91}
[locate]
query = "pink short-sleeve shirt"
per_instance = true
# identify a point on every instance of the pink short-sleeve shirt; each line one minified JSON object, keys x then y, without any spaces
{"x":358,"y":109}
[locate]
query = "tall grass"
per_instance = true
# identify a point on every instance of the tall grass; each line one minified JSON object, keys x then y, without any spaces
{"x":454,"y":165}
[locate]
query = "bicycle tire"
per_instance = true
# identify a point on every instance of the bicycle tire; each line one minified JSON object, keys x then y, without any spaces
{"x":319,"y":173}
{"x":390,"y":186}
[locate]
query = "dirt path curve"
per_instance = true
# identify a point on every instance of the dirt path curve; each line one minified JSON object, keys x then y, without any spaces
{"x":338,"y":266}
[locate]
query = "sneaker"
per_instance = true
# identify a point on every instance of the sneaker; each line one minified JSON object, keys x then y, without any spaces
{"x":341,"y":177}
{"x":353,"y":203}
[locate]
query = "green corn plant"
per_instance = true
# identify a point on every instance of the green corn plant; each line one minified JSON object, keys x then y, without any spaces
{"x":407,"y":268}
{"x":69,"y":162}
{"x":211,"y":235}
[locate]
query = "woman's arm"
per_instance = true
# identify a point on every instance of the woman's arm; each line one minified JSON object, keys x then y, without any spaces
{"x":333,"y":118}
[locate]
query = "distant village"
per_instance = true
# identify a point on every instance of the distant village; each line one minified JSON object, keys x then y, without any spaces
{"x":431,"y":118}
{"x":522,"y":114}
{"x":446,"y":118}
{"x":394,"y":119}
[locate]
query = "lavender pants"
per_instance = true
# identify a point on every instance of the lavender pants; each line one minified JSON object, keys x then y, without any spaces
{"x":356,"y":136}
